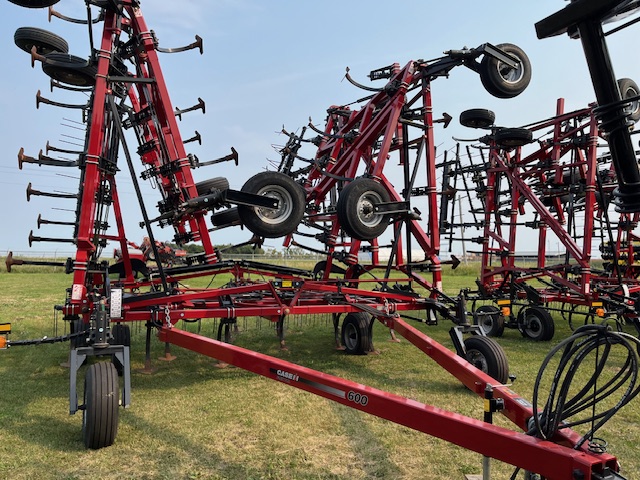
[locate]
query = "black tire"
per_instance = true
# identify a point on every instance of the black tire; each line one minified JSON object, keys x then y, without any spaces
{"x":121,"y":335}
{"x":226,"y":218}
{"x":69,"y":69}
{"x":321,"y":266}
{"x":45,"y":42}
{"x":355,"y":209}
{"x":513,"y":137}
{"x":629,"y":88}
{"x":138,"y":266}
{"x":477,"y":118}
{"x":485,"y":354}
{"x":536,"y":323}
{"x":490,"y":320}
{"x":101,"y":397}
{"x":499,"y":79}
{"x":273,"y":223}
{"x":35,"y":3}
{"x":78,"y":326}
{"x":218,"y":183}
{"x":356,"y":333}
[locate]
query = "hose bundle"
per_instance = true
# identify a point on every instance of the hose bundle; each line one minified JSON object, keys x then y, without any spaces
{"x":615,"y":369}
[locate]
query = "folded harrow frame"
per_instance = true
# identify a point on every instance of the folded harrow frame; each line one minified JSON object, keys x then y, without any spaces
{"x":100,"y":307}
{"x":559,"y":193}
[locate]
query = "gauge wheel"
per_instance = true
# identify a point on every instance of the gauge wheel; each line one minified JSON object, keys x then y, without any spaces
{"x":69,"y":69}
{"x":357,"y":333}
{"x":45,"y":42}
{"x":35,"y":3}
{"x":356,"y":206}
{"x":217,"y":183}
{"x":226,"y":218}
{"x":485,"y":354}
{"x":490,"y":320}
{"x":273,"y":222}
{"x":513,"y":137}
{"x":502,"y":81}
{"x":477,"y":118}
{"x":100,"y":413}
{"x":628,"y":89}
{"x":536,"y":323}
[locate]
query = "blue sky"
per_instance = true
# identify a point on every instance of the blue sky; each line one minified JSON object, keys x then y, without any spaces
{"x":272,"y":64}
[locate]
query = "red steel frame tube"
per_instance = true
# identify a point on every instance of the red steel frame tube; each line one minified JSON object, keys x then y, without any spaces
{"x":552,"y":460}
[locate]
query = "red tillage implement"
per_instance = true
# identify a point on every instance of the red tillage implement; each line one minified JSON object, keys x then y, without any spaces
{"x":271,"y":204}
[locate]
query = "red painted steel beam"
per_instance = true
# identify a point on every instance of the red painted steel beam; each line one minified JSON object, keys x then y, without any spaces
{"x":553,"y":461}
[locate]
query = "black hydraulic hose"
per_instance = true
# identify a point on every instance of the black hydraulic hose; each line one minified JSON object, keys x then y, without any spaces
{"x":44,"y":340}
{"x":587,"y":341}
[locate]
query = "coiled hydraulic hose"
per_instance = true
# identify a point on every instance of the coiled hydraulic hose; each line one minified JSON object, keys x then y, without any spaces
{"x":604,"y":346}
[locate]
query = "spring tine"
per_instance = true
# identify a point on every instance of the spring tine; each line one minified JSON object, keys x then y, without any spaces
{"x":50,"y":148}
{"x":227,"y":158}
{"x":33,"y":238}
{"x":55,"y":83}
{"x":197,"y":44}
{"x":10,"y":261}
{"x":198,"y":106}
{"x":195,"y":138}
{"x":32,"y":191}
{"x":41,"y":99}
{"x":42,"y":221}
{"x":54,"y":13}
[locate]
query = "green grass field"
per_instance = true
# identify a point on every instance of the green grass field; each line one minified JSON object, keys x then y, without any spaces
{"x":193,"y":420}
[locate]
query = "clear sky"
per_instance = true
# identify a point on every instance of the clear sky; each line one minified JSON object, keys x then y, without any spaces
{"x":272,"y":64}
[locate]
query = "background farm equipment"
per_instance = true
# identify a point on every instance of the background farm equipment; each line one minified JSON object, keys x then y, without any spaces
{"x":272,"y":204}
{"x":554,"y":190}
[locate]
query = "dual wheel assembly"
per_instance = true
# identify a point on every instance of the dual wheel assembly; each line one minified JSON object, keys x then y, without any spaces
{"x":533,"y":322}
{"x":356,"y":208}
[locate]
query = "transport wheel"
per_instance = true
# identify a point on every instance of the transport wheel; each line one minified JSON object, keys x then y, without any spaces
{"x":490,"y":320}
{"x":485,"y":354}
{"x":513,"y":137}
{"x":355,"y":209}
{"x":356,"y":333}
{"x":45,"y":42}
{"x":536,"y":323}
{"x":477,"y":118}
{"x":226,"y":218}
{"x":629,"y":88}
{"x":269,"y":222}
{"x":69,"y":69}
{"x":218,"y":183}
{"x":35,"y":3}
{"x":502,"y":81}
{"x":101,"y":397}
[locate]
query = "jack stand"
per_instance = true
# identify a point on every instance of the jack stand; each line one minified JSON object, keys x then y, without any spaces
{"x":167,"y":354}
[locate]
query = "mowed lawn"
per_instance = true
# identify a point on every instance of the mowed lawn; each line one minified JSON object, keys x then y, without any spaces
{"x":191,"y":419}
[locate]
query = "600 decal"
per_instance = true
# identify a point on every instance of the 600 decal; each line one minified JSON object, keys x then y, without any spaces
{"x":357,"y":398}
